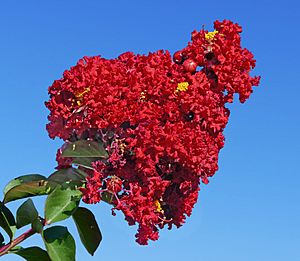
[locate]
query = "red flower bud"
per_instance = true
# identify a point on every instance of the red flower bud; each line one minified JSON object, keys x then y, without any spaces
{"x":190,"y":66}
{"x":178,"y":57}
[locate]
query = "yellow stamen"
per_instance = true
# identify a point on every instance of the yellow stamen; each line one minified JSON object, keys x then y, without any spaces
{"x":142,"y":96}
{"x":81,"y":94}
{"x":122,"y":147}
{"x":210,"y":35}
{"x":182,"y":87}
{"x":158,"y":206}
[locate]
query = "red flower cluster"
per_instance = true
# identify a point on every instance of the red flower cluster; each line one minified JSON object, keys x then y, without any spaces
{"x":161,"y":122}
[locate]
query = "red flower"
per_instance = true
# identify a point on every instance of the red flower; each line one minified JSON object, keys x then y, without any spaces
{"x":162,"y":122}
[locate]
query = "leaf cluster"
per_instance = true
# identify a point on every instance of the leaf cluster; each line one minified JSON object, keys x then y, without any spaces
{"x":63,"y":199}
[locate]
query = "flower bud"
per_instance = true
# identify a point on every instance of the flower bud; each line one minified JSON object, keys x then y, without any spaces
{"x":177,"y":57}
{"x":190,"y":66}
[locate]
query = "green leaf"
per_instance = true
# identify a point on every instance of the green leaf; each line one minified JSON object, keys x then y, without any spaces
{"x":84,"y":162}
{"x":7,"y":221}
{"x":22,"y":179}
{"x":16,"y":248}
{"x":108,"y":197}
{"x":59,"y":243}
{"x":88,"y":229}
{"x":29,"y":189}
{"x":37,"y":225}
{"x":84,"y":149}
{"x":61,"y":204}
{"x":26,"y":213}
{"x":31,"y":253}
{"x":70,"y":175}
{"x":1,"y":240}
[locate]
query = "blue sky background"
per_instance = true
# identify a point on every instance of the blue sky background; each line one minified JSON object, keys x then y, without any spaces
{"x":250,"y":210}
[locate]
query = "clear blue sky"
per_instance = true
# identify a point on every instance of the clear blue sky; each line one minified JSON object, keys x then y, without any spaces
{"x":250,"y":210}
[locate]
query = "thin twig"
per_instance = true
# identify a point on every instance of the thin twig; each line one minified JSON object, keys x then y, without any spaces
{"x":5,"y":249}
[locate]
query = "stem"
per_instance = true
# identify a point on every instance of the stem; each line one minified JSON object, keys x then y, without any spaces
{"x":4,"y":250}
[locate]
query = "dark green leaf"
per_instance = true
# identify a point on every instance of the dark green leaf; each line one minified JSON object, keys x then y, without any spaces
{"x":84,"y":162}
{"x":26,"y":213}
{"x":61,"y":204}
{"x":37,"y":225}
{"x":22,"y":179}
{"x":108,"y":197}
{"x":70,"y":176}
{"x":31,"y":253}
{"x":7,"y":221}
{"x":1,"y":240}
{"x":59,"y":244}
{"x":84,"y":149}
{"x":29,"y":189}
{"x":88,"y":229}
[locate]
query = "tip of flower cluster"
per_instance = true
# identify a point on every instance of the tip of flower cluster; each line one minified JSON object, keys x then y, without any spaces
{"x":210,"y":35}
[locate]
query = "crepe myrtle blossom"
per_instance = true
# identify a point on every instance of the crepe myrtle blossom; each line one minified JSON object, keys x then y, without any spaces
{"x":161,"y":121}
